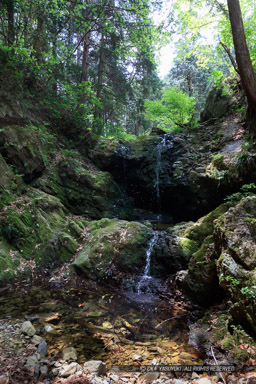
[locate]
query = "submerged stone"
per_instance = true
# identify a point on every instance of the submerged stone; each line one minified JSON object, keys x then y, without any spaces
{"x":69,"y":353}
{"x":42,"y":348}
{"x":28,"y":328}
{"x":96,"y":367}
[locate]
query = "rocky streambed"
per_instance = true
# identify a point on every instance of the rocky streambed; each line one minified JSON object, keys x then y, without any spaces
{"x":63,"y":330}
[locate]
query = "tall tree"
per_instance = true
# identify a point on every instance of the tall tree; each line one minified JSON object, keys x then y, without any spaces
{"x":244,"y":63}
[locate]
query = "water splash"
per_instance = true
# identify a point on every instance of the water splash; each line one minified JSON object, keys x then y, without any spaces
{"x":144,"y":280}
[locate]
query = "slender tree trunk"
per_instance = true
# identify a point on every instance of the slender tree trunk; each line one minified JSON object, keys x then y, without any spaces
{"x":98,"y":111}
{"x":85,"y":56}
{"x":39,"y":43}
{"x":10,"y":10}
{"x":54,"y":54}
{"x":230,"y":56}
{"x":243,"y":59}
{"x":85,"y":64}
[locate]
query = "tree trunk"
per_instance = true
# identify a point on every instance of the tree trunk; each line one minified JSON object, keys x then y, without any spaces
{"x":98,"y":112}
{"x":10,"y":10}
{"x":85,"y":57}
{"x":85,"y":65}
{"x":243,"y":59}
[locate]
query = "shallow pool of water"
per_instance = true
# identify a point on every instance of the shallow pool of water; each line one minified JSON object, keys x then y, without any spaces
{"x":117,"y":326}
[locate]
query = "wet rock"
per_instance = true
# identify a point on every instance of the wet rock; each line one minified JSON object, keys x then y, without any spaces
{"x":69,"y":353}
{"x":96,"y":367}
{"x":114,"y":378}
{"x":44,"y":370}
{"x":28,"y":328}
{"x":105,"y":259}
{"x":36,"y":340}
{"x":48,"y":329}
{"x":33,"y":365}
{"x":68,"y":369}
{"x":150,"y":376}
{"x":42,"y":348}
{"x":55,"y":371}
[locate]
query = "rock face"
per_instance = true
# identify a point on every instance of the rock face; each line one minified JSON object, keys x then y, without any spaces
{"x":113,"y":248}
{"x":85,"y":190}
{"x":173,"y":173}
{"x":23,"y":150}
{"x":201,"y":281}
{"x":218,"y":104}
{"x":36,"y":227}
{"x":235,"y":239}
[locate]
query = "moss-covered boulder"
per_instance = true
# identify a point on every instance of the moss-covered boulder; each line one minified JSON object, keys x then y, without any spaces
{"x":9,"y":261}
{"x":172,"y":251}
{"x":205,"y":225}
{"x":218,"y":104}
{"x":21,"y":147}
{"x":196,"y":241}
{"x":8,"y":183}
{"x":235,"y":239}
{"x":85,"y":190}
{"x":201,"y":281}
{"x":36,"y":227}
{"x":112,"y":249}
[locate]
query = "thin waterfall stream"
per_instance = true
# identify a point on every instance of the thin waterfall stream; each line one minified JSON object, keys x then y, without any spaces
{"x":143,"y":282}
{"x":157,"y":171}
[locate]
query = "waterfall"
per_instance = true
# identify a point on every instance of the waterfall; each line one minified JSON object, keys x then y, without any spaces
{"x":157,"y":171}
{"x":146,"y":274}
{"x":165,"y":144}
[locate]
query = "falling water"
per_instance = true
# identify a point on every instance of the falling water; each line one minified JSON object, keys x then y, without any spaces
{"x":165,"y":144}
{"x":146,"y":274}
{"x":157,"y":170}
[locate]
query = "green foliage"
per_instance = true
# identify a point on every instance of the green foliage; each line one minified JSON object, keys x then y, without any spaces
{"x":248,"y":293}
{"x":173,"y":109}
{"x":246,"y":190}
{"x":45,"y":61}
{"x":217,"y":78}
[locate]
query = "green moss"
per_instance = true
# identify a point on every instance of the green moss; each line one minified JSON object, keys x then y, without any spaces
{"x":67,"y":246}
{"x":9,"y":260}
{"x":204,"y":226}
{"x":187,"y":247}
{"x":115,"y":243}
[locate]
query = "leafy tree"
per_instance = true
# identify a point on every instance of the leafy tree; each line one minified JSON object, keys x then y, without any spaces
{"x":175,"y":108}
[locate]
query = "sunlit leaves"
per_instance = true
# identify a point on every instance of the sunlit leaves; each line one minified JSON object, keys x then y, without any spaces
{"x":174,"y":107}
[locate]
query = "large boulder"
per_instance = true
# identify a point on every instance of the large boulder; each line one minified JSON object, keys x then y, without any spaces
{"x":83,"y":189}
{"x":112,"y":249}
{"x":219,"y":103}
{"x":36,"y":227}
{"x":235,"y":240}
{"x":22,"y":148}
{"x":200,"y":280}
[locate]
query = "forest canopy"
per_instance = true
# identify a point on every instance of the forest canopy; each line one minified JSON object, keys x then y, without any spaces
{"x":95,"y":61}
